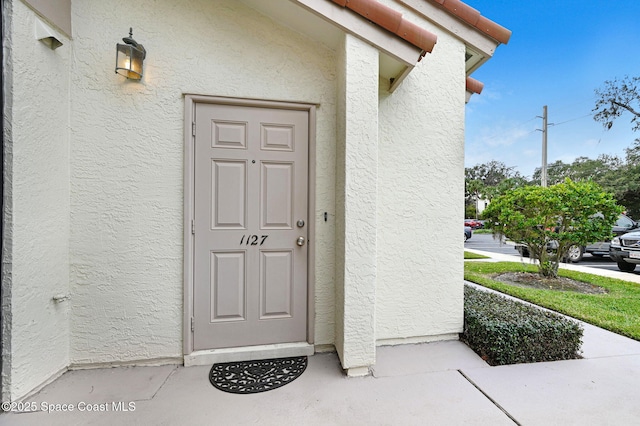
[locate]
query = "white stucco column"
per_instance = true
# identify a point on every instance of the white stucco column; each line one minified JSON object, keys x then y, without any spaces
{"x":36,"y":267}
{"x":356,"y":201}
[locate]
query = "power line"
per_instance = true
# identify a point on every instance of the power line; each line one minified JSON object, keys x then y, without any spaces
{"x":510,"y":128}
{"x":502,"y":131}
{"x":571,"y":119}
{"x":565,"y":106}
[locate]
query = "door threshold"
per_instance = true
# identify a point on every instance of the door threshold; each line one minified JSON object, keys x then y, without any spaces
{"x":248,"y":353}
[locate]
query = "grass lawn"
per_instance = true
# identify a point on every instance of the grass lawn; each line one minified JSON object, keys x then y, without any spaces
{"x":469,"y":255}
{"x":618,"y":310}
{"x":482,"y":231}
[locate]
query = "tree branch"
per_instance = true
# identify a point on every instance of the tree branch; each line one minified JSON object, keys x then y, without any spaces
{"x":627,"y":107}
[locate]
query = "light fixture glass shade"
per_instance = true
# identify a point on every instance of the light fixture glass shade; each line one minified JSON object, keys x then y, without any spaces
{"x":129,"y":61}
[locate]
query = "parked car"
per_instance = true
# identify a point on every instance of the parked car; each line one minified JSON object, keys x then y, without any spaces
{"x":625,"y":251}
{"x":473,"y":223}
{"x":623,"y":225}
{"x":467,"y":232}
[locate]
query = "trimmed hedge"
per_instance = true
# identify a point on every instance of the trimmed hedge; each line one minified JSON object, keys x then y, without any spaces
{"x":503,"y":331}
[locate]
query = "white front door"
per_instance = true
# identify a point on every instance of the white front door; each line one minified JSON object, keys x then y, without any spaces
{"x":250,"y":234}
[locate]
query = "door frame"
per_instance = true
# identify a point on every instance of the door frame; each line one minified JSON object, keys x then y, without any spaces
{"x":191,"y":100}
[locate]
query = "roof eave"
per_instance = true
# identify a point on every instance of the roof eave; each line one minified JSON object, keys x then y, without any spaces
{"x":479,"y":34}
{"x":472,"y":17}
{"x":361,"y":27}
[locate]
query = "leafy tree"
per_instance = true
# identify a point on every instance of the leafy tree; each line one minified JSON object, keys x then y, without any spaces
{"x":470,"y":211}
{"x":633,"y":154}
{"x":625,"y":183}
{"x":491,"y":173}
{"x":489,"y":180}
{"x":474,"y":188}
{"x":617,"y":97}
{"x":582,"y":168}
{"x":550,"y":220}
{"x":473,"y":191}
{"x":506,"y":185}
{"x":556,"y":172}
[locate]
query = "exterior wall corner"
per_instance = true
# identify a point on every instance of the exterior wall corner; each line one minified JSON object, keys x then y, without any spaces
{"x":357,"y":192}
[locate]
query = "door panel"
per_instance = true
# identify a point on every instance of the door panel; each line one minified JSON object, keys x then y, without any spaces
{"x":229,"y":194}
{"x":276,"y":276}
{"x":250,"y":276}
{"x":277,"y":138}
{"x":276,"y":196}
{"x":228,"y":134}
{"x":228,"y":295}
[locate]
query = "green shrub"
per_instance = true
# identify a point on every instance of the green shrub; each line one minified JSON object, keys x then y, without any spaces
{"x":503,"y":331}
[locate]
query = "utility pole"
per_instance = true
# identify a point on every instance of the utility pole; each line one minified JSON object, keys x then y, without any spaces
{"x":543,"y":170}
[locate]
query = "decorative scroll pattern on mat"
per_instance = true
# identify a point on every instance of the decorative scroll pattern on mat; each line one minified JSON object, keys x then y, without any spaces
{"x":256,"y":376}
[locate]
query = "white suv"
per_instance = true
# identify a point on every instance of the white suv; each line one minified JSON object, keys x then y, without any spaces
{"x":625,"y":250}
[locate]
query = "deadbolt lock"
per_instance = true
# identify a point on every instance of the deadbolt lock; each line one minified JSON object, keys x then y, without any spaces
{"x":300,"y":223}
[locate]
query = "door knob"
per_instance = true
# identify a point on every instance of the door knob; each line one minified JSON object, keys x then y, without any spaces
{"x":300,"y":241}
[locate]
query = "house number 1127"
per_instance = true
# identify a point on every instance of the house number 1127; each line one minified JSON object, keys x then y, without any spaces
{"x":252,"y":240}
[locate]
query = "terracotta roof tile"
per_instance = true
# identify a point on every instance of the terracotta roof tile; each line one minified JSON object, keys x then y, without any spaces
{"x":416,"y":35}
{"x":392,"y":21}
{"x":493,"y":30}
{"x":474,"y":86}
{"x":472,"y":17}
{"x":461,"y":10}
{"x":382,"y":15}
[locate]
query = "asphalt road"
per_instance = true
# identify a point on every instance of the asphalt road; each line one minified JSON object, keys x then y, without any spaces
{"x":486,"y":242}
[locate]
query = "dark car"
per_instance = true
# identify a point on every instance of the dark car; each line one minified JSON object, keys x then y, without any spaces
{"x":625,"y":251}
{"x":467,"y":232}
{"x":623,"y":224}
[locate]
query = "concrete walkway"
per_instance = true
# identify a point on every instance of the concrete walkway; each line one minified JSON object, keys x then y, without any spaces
{"x":443,"y":383}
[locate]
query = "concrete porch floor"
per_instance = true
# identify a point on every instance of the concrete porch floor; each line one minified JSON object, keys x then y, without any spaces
{"x":443,"y":383}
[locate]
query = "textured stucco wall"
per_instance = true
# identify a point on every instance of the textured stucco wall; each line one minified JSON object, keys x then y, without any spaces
{"x":420,"y":192}
{"x":39,"y":193}
{"x":127,"y":159}
{"x":97,"y":187}
{"x":357,"y":188}
{"x":340,"y":197}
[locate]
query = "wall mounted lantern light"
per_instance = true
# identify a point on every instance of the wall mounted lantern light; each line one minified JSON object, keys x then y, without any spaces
{"x":129,"y":57}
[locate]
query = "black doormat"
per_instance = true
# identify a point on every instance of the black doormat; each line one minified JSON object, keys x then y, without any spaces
{"x":256,"y":376}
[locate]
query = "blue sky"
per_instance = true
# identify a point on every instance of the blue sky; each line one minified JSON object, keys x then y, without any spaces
{"x":559,"y":53}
